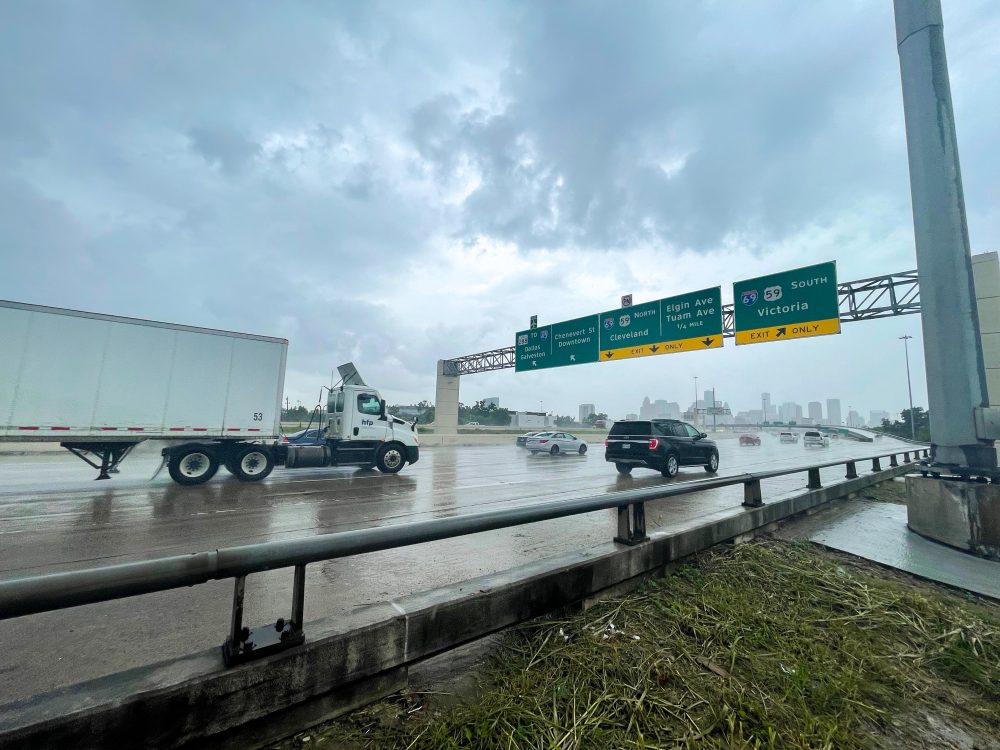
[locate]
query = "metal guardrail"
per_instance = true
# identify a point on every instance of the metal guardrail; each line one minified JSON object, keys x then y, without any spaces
{"x":26,"y":596}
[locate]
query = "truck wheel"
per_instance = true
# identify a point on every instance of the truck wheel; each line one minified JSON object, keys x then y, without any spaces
{"x":192,"y":465}
{"x":623,"y":469}
{"x":670,"y":466}
{"x":253,"y":463}
{"x":390,"y":458}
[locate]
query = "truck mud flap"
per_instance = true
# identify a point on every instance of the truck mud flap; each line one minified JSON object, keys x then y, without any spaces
{"x":159,"y":468}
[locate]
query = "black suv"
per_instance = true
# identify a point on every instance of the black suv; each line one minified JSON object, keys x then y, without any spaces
{"x":661,"y":444}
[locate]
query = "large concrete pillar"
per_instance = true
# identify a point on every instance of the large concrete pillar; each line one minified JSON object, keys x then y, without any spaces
{"x":956,"y":378}
{"x":446,"y":400}
{"x":986,"y":272}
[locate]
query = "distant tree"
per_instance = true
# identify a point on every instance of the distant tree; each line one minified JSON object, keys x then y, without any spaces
{"x":422,"y":411}
{"x":565,"y":421}
{"x":596,"y":417}
{"x":295,"y":414}
{"x":485,"y":414}
{"x":901,"y":427}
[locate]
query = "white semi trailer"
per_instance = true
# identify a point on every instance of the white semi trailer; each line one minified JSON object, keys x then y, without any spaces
{"x":101,"y":384}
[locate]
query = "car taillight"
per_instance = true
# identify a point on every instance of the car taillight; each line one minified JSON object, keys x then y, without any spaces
{"x":605,"y":442}
{"x":654,"y":444}
{"x":543,"y":441}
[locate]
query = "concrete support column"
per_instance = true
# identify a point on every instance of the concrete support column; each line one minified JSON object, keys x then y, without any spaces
{"x":956,"y":379}
{"x":446,"y":400}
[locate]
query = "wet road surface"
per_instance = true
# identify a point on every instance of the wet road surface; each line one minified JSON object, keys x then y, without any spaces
{"x":53,"y":517}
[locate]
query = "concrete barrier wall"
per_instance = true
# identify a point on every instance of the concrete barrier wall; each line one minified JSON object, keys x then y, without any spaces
{"x":352,"y":660}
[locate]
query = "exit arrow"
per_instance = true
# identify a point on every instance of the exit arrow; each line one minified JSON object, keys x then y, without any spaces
{"x":572,"y":358}
{"x":707,"y":342}
{"x":780,"y":333}
{"x":534,"y":363}
{"x":654,"y":348}
{"x":609,"y":355}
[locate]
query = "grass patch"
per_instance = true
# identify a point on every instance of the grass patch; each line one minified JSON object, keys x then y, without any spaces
{"x":767,"y":645}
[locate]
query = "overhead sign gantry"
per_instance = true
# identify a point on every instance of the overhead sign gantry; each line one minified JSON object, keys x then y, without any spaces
{"x":790,"y":304}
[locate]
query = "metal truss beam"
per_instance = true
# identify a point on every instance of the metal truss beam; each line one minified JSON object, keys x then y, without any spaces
{"x":864,"y":299}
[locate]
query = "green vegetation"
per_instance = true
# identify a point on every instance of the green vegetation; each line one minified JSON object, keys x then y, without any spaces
{"x":485,"y":414}
{"x":767,"y":645}
{"x":901,"y":427}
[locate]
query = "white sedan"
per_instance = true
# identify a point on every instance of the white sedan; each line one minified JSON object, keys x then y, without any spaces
{"x":556,"y":443}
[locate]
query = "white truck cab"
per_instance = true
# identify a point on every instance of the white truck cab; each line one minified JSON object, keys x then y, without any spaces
{"x":359,"y":431}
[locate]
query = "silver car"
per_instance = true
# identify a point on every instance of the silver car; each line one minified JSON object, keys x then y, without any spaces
{"x":814,"y":439}
{"x":556,"y":443}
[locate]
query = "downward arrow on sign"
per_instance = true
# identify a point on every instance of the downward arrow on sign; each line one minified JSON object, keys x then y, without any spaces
{"x":609,"y":355}
{"x":708,"y":342}
{"x":654,"y":348}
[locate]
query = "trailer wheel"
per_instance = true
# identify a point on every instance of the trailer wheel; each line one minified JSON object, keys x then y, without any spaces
{"x":390,"y":458}
{"x":192,"y":465}
{"x":253,"y":463}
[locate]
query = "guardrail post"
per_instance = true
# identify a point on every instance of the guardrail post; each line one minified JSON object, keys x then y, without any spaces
{"x":632,"y":524}
{"x":299,"y":597}
{"x":814,"y":482}
{"x":893,"y":461}
{"x":852,"y":471}
{"x":237,"y":633}
{"x":906,"y":458}
{"x":244,"y":644}
{"x":752,"y":497}
{"x":876,"y":464}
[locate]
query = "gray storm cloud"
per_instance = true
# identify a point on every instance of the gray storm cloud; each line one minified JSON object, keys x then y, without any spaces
{"x":365,"y":178}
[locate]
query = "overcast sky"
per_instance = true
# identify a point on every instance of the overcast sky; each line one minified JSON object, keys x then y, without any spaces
{"x":396,"y":183}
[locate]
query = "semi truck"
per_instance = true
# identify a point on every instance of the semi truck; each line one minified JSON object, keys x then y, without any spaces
{"x":100,"y":385}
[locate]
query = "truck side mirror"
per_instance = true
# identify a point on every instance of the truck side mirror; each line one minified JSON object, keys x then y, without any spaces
{"x":381,"y":409}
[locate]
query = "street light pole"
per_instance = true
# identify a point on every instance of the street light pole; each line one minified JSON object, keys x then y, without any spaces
{"x":715,"y":417}
{"x":906,"y":351}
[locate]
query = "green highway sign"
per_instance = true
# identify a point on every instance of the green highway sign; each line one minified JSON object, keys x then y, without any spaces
{"x":694,"y":317}
{"x":787,"y":305}
{"x":631,"y":328}
{"x":572,"y":342}
{"x":575,"y":342}
{"x":683,"y":323}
